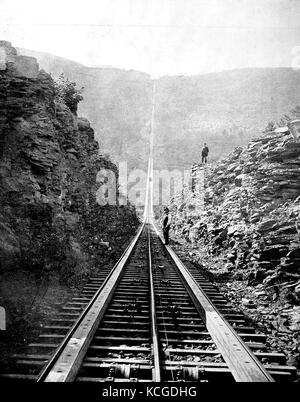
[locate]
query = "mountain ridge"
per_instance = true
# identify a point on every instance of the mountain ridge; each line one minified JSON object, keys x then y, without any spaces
{"x":223,"y":108}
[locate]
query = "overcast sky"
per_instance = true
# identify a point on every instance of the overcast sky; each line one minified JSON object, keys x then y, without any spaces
{"x":157,"y":36}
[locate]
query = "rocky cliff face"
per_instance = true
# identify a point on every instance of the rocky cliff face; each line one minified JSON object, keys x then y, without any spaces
{"x":252,"y":208}
{"x":117,"y":102}
{"x":49,"y":159}
{"x":248,"y":232}
{"x":51,"y":228}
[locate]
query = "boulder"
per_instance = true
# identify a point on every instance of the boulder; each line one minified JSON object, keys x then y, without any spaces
{"x":240,"y":180}
{"x":24,"y":66}
{"x":236,"y":230}
{"x":267,"y":225}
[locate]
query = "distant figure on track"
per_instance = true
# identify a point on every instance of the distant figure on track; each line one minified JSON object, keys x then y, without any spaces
{"x":204,"y":153}
{"x":166,"y":224}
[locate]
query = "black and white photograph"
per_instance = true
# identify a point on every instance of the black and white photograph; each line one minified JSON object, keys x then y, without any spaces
{"x":149,"y":195}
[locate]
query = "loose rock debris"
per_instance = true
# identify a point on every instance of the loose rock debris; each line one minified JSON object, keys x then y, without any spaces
{"x":247,"y":234}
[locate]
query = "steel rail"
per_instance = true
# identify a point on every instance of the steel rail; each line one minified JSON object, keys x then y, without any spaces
{"x":155,"y":345}
{"x":245,"y":367}
{"x":65,"y":363}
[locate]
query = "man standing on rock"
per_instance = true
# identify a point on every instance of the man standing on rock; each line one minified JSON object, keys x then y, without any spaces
{"x":204,"y":153}
{"x":166,"y":224}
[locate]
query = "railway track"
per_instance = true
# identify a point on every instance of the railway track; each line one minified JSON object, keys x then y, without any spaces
{"x":151,"y":318}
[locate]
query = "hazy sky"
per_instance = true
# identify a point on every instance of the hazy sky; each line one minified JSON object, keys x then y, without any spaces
{"x":157,"y":36}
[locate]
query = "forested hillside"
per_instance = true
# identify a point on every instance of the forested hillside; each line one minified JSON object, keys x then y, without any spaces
{"x":224,"y":109}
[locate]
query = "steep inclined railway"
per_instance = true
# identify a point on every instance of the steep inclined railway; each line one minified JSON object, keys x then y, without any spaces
{"x":152,"y":318}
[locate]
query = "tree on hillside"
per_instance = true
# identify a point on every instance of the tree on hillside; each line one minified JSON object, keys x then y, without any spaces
{"x":66,"y":92}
